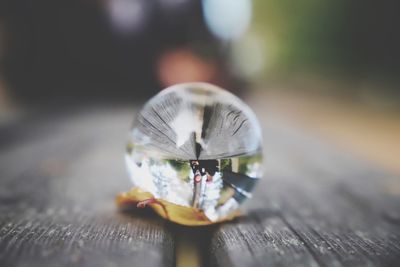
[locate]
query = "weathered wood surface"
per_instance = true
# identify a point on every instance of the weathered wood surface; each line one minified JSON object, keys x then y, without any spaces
{"x":316,"y":206}
{"x":59,"y":175}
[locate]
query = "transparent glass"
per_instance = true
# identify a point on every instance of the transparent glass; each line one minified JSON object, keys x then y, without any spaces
{"x":196,"y":145}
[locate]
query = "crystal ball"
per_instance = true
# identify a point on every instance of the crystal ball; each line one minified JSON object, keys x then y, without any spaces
{"x":196,"y":145}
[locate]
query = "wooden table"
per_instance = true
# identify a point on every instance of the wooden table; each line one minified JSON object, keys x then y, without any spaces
{"x":60,"y":172}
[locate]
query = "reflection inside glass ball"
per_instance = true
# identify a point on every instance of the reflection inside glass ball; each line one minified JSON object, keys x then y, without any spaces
{"x":196,"y":145}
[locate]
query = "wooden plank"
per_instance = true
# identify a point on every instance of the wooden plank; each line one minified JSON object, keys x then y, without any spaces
{"x":260,"y":239}
{"x":57,"y":197}
{"x":316,"y":206}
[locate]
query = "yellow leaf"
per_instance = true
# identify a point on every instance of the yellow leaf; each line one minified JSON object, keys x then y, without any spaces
{"x":176,"y":213}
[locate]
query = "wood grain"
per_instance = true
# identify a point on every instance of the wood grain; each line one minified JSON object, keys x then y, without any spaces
{"x":58,"y":185}
{"x":316,"y":206}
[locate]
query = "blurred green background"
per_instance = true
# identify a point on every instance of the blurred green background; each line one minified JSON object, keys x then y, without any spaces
{"x":338,"y":47}
{"x":348,"y":40}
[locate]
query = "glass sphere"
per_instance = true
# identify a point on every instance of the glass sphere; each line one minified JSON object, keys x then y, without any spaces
{"x":196,"y":145}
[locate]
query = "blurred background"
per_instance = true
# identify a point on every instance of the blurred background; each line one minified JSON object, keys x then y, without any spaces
{"x":330,"y":66}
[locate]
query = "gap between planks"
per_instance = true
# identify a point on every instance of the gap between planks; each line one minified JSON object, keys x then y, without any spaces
{"x":192,"y":245}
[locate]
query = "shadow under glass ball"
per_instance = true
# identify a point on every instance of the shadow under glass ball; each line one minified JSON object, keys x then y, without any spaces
{"x":196,"y":145}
